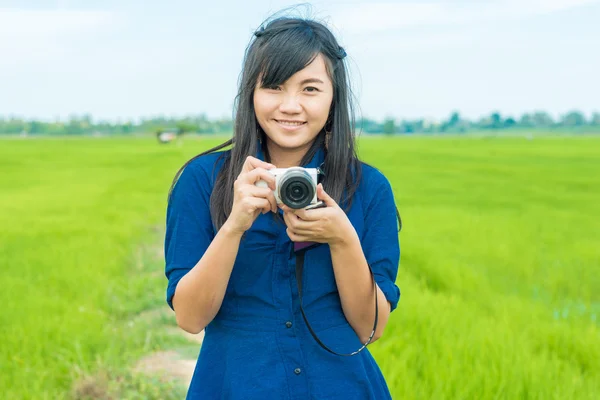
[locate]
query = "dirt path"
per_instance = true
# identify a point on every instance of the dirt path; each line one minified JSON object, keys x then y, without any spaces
{"x":174,"y":365}
{"x":171,"y":364}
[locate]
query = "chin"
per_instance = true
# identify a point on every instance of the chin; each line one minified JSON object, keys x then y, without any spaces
{"x":292,"y":144}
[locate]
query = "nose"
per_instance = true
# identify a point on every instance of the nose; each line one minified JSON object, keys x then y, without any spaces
{"x":290,"y":104}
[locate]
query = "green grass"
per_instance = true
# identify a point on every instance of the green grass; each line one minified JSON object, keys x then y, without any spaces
{"x":74,"y":275}
{"x":500,"y":269}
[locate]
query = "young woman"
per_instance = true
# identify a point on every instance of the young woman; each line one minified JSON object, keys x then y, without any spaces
{"x":280,"y":322}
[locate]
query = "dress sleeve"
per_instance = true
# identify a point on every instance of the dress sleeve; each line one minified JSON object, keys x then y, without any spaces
{"x":189,"y":229}
{"x":381,"y":244}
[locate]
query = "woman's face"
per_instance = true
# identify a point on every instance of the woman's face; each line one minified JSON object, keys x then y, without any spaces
{"x":293,"y":114}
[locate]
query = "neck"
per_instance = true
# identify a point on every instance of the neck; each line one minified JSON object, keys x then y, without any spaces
{"x":285,"y":158}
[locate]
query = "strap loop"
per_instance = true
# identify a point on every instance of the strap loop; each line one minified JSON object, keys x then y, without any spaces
{"x":299,"y":269}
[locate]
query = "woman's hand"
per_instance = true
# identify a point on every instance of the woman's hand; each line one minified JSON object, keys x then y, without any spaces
{"x":322,"y":225}
{"x":249,"y":200}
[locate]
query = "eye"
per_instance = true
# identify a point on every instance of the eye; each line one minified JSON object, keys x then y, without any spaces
{"x":311,"y":89}
{"x":272,"y":87}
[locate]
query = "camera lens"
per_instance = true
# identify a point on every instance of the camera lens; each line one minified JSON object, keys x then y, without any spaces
{"x":297,"y":191}
{"x":297,"y":188}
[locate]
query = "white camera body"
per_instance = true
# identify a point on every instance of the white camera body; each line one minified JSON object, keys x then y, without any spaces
{"x":295,"y":187}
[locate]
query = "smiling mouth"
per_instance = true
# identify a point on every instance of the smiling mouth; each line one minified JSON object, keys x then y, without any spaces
{"x":290,"y":123}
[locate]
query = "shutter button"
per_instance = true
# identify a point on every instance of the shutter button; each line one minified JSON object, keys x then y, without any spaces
{"x":288,"y":324}
{"x":297,"y":371}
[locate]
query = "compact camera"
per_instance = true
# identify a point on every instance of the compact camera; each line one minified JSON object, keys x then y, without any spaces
{"x":296,"y":187}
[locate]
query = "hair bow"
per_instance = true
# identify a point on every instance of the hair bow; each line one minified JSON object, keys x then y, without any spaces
{"x":260,"y":31}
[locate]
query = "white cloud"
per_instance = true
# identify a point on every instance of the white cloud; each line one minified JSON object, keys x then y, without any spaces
{"x":374,"y":17}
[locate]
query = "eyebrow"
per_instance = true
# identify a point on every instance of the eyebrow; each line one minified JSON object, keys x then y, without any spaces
{"x":311,"y":80}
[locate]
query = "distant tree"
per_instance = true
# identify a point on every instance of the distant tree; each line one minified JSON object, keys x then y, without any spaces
{"x":509,"y":122}
{"x":200,"y":123}
{"x":36,"y":127}
{"x":452,"y":124}
{"x":13,"y":125}
{"x":542,"y":119}
{"x":454,"y":118}
{"x":389,"y":126}
{"x":127,"y":127}
{"x":526,"y":120}
{"x":462,"y":126}
{"x":431,"y":125}
{"x":573,"y":118}
{"x":86,"y":120}
{"x":73,"y":127}
{"x":407,"y":126}
{"x":367,"y":125}
{"x":185,"y":127}
{"x":483,"y":123}
{"x":495,"y":120}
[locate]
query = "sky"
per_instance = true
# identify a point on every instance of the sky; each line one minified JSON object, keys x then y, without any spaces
{"x":122,"y":60}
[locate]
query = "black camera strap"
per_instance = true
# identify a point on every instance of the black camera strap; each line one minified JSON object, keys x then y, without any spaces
{"x":299,"y":268}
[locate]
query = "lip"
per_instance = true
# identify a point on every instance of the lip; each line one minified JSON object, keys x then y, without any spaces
{"x":289,"y":127}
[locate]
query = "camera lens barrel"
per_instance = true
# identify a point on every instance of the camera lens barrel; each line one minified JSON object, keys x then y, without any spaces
{"x":296,"y":188}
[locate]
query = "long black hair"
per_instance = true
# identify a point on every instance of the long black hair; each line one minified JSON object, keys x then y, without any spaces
{"x":278,"y":50}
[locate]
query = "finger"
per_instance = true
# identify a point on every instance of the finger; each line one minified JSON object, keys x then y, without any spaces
{"x":256,"y":175}
{"x":259,"y":174}
{"x":286,"y":219}
{"x":296,"y":211}
{"x":253,"y":162}
{"x":288,"y":209}
{"x":322,"y":195}
{"x":309,"y":215}
{"x":257,"y":191}
{"x":263,"y":205}
{"x":297,"y":224}
{"x":294,"y":223}
{"x":272,"y":201}
{"x":294,"y":237}
{"x":307,"y":236}
{"x":301,"y":213}
{"x":256,"y":203}
{"x":262,"y":192}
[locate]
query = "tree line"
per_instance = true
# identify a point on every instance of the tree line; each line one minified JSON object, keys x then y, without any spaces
{"x":201,"y":124}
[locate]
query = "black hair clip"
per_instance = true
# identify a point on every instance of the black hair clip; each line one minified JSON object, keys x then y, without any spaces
{"x":341,"y":53}
{"x":260,"y":31}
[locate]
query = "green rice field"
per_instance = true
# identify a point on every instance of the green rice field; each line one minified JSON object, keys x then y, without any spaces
{"x":499,"y":272}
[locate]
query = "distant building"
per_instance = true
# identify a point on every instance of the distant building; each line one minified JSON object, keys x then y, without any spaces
{"x":168,"y":135}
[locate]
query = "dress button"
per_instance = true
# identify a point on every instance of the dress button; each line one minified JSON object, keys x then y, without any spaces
{"x":288,"y":324}
{"x":297,"y":371}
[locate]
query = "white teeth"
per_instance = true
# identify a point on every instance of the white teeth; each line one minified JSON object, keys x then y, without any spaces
{"x":290,"y":123}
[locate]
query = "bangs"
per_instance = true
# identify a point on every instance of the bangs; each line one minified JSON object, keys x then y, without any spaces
{"x":286,"y":53}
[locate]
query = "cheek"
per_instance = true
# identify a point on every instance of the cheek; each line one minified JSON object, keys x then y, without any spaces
{"x":264,"y":105}
{"x":258,"y":109}
{"x":320,"y":110}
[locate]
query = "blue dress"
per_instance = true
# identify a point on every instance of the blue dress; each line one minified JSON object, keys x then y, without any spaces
{"x":258,"y":346}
